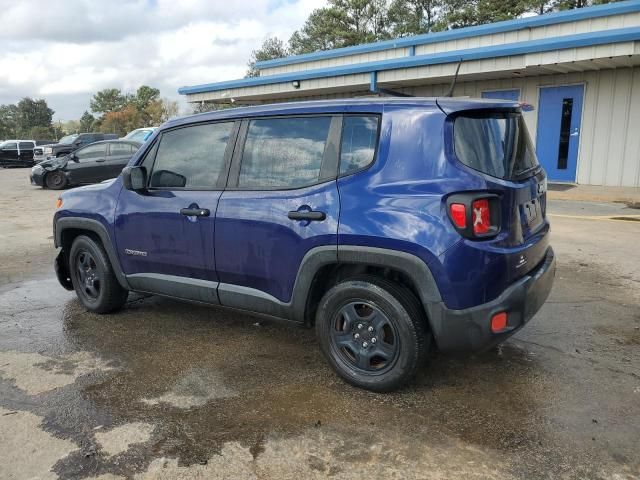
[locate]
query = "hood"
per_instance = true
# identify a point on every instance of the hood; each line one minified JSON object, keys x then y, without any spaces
{"x":96,"y":186}
{"x":56,"y":162}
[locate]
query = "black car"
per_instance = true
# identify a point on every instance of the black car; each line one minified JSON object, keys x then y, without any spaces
{"x":91,"y":164}
{"x":71,"y":143}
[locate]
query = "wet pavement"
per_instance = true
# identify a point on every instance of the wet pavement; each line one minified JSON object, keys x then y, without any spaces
{"x":171,"y":390}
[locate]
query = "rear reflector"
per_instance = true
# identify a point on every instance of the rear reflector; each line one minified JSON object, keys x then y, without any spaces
{"x":458,"y":215}
{"x":481,"y":216}
{"x":499,"y":322}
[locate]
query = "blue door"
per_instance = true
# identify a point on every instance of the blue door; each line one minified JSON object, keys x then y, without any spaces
{"x":165,"y":237}
{"x":512,"y":94}
{"x":281,"y":201}
{"x":559,"y":118}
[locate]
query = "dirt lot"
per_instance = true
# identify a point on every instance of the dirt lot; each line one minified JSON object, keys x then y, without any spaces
{"x":171,"y":390}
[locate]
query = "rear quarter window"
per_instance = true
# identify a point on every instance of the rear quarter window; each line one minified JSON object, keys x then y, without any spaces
{"x":358,"y":143}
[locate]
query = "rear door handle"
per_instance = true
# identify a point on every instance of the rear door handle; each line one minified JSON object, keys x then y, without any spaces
{"x":195,"y":212}
{"x":100,"y":159}
{"x":310,"y":216}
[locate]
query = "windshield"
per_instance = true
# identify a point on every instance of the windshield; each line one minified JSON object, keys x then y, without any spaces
{"x":68,"y":139}
{"x":138,"y":135}
{"x":496,"y":143}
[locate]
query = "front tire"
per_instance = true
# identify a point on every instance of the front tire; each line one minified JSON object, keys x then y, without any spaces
{"x":93,"y":278}
{"x":373,"y":333}
{"x":56,"y":180}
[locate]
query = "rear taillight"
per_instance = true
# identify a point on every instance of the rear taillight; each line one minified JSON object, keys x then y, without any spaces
{"x":458,"y":214}
{"x":481,"y":216}
{"x":475,"y":215}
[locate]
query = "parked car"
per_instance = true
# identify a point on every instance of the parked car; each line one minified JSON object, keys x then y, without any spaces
{"x":16,"y":153}
{"x":71,"y":143}
{"x":91,"y":164}
{"x":140,"y":134}
{"x":393,"y":225}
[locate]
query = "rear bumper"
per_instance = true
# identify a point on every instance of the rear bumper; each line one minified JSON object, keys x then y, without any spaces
{"x":469,"y":330}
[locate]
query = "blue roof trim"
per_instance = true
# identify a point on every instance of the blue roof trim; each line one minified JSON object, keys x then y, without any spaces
{"x":518,"y":48}
{"x":606,"y":10}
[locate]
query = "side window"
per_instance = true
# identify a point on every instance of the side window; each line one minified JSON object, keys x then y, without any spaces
{"x":10,"y":146}
{"x":26,"y":146}
{"x":283,"y":152}
{"x":92,"y":152}
{"x":190,"y":156}
{"x":358,"y":146}
{"x":119,"y":149}
{"x":149,"y":157}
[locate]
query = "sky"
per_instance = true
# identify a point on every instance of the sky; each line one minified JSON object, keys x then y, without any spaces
{"x":66,"y":50}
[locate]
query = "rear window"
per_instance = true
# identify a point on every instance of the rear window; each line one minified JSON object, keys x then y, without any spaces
{"x":495,"y":143}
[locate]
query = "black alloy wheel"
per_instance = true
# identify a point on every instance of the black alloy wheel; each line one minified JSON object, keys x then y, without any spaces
{"x":373,"y":332}
{"x":88,"y":275}
{"x":93,"y":277}
{"x":364,"y":337}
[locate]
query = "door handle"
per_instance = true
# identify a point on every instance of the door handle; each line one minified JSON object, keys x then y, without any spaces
{"x":98,"y":160}
{"x":308,"y":215}
{"x":195,"y":212}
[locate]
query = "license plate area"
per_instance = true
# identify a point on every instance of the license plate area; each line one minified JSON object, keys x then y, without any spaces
{"x":531,"y":213}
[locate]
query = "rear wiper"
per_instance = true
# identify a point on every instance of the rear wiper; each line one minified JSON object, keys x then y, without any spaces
{"x":526,"y":171}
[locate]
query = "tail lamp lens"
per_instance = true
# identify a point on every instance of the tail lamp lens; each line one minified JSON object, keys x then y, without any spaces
{"x":458,"y":215}
{"x":481,"y":216}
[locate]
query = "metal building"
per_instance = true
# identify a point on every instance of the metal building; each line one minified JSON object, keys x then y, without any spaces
{"x":580,"y":69}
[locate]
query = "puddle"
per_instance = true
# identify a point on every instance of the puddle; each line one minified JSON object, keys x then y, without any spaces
{"x":119,"y":439}
{"x":165,"y":389}
{"x":194,"y":389}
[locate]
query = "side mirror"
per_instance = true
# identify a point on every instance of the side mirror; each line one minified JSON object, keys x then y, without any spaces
{"x":73,"y":157}
{"x":135,"y":179}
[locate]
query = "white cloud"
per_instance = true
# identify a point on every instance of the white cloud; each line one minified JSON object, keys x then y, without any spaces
{"x":66,"y":50}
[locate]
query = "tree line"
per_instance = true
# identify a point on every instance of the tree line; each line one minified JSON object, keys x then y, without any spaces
{"x":344,"y":23}
{"x":112,"y":112}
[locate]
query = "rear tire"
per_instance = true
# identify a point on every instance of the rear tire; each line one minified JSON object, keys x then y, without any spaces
{"x":93,"y":278}
{"x":56,"y":180}
{"x":373,"y":332}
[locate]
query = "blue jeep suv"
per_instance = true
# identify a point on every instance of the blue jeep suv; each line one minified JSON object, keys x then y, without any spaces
{"x":389,"y":224}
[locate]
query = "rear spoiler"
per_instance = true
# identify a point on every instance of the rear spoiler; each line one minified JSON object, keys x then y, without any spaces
{"x":450,"y":105}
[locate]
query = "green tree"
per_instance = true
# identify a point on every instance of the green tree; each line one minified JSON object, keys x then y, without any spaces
{"x":271,"y":48}
{"x":30,"y":114}
{"x":86,"y":122}
{"x":342,"y":23}
{"x":413,"y":17}
{"x":144,"y":96}
{"x":465,"y":13}
{"x":8,"y":126}
{"x":108,"y":100}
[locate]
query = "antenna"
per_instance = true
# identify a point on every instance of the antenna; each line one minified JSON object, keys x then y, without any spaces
{"x":455,"y":78}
